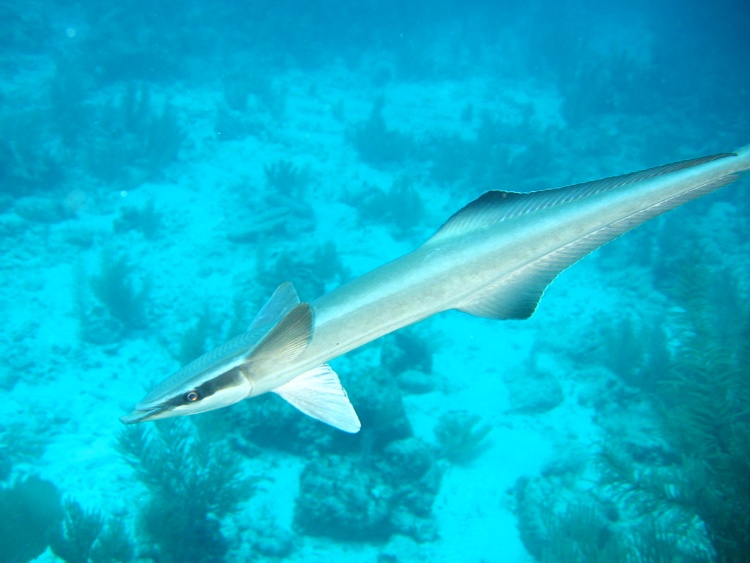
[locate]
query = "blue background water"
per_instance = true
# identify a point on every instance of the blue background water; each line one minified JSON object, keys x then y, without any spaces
{"x":165,"y":165}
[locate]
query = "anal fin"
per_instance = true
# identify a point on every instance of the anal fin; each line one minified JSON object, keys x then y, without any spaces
{"x":318,"y":393}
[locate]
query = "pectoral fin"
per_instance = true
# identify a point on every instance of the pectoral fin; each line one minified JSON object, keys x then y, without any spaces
{"x":318,"y":393}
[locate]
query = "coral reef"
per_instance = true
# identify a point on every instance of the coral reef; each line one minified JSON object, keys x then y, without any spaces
{"x":269,"y":422}
{"x":124,"y":299}
{"x":495,"y":157}
{"x":32,"y":514}
{"x":41,"y":209}
{"x":407,"y":350}
{"x":285,"y":178}
{"x":276,"y":216}
{"x":28,"y":163}
{"x":113,"y":544}
{"x":362,"y":487}
{"x":85,"y":537}
{"x":69,"y":109}
{"x":273,"y":543}
{"x":378,"y":399}
{"x":377,"y":144}
{"x":634,"y":351}
{"x":416,"y":382}
{"x":310,"y":276}
{"x":238,"y":118}
{"x":567,"y":526}
{"x":461,"y":437}
{"x":704,"y":400}
{"x":682,"y":493}
{"x":407,"y":355}
{"x":21,"y":442}
{"x":145,"y":219}
{"x":79,"y":531}
{"x":193,"y":481}
{"x":195,"y":339}
{"x":343,"y":498}
{"x":532,"y":390}
{"x":100,"y":100}
{"x":401,"y":207}
{"x":133,"y":141}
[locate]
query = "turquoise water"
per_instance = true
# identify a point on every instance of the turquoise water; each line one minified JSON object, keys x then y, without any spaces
{"x":164,"y":166}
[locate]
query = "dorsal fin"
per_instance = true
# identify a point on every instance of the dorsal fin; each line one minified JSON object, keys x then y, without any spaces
{"x":496,"y":206}
{"x":283,"y":300}
{"x":285,"y":341}
{"x":517,"y":296}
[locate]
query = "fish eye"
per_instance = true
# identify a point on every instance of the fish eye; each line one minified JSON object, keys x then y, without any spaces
{"x":192,"y":396}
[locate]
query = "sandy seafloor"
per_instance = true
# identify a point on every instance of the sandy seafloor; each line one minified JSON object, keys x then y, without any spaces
{"x":78,"y":391}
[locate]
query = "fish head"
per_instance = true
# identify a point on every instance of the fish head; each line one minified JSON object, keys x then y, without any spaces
{"x":178,"y":396}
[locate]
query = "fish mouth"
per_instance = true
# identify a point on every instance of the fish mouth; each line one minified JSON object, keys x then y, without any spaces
{"x":142,"y":414}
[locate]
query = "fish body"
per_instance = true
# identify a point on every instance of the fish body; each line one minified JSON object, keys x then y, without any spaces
{"x":493,"y":258}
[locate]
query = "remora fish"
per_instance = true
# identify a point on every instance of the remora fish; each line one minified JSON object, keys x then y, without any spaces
{"x":493,"y":258}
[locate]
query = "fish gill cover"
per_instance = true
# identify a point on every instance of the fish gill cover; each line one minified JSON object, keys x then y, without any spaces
{"x":165,"y":165}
